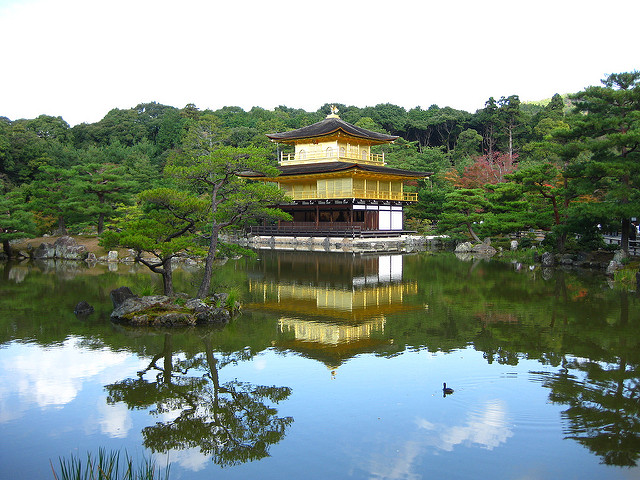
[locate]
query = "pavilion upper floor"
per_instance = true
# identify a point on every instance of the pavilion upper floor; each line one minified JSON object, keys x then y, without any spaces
{"x":333,"y":149}
{"x":347,"y":186}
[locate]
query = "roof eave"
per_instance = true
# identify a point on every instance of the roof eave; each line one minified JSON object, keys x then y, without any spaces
{"x":277,"y":139}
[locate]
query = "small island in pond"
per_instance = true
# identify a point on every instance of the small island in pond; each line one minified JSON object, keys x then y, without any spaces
{"x":162,"y":310}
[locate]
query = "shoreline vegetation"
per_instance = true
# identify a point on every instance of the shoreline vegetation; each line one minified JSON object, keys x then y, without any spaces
{"x":622,"y":269}
{"x":108,"y":466}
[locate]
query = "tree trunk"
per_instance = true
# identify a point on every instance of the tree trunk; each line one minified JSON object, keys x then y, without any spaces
{"x":473,"y":234}
{"x":511,"y":144}
{"x":62,"y":230}
{"x":205,"y":285}
{"x":6,"y":246}
{"x":101,"y":215}
{"x":561,"y":242}
{"x":213,"y":374}
{"x":100,"y":223}
{"x":624,"y":234}
{"x":167,"y":351}
{"x":167,"y":277}
{"x":488,"y":140}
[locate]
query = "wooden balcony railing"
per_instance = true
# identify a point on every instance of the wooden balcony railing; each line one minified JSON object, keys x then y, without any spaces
{"x":333,"y":156}
{"x":342,"y":229}
{"x":353,"y":193}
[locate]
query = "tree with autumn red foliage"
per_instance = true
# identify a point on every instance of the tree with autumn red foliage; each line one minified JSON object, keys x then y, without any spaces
{"x":485,"y":169}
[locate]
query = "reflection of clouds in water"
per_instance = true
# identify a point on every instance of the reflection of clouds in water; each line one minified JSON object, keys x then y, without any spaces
{"x":115,"y":420}
{"x":53,"y":376}
{"x":396,"y":464}
{"x":190,"y":459}
{"x":7,"y":411}
{"x":260,"y":363}
{"x":488,"y":428}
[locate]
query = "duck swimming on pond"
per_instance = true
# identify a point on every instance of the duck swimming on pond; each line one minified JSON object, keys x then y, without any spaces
{"x":446,"y":390}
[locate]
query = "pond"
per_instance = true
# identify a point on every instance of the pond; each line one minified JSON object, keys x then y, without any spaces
{"x":335,"y":369}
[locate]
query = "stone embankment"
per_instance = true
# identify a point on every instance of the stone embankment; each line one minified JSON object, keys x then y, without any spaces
{"x":402,"y":243}
{"x":67,"y":248}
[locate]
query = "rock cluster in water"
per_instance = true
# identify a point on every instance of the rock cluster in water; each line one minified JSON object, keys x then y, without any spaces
{"x":161,"y":310}
{"x":590,"y":260}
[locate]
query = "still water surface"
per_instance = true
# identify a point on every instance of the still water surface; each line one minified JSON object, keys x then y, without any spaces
{"x":334,"y":370}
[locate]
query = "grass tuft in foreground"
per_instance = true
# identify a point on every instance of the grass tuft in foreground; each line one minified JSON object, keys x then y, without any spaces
{"x":108,"y":466}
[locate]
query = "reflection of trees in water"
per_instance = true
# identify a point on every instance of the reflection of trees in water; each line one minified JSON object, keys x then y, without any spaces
{"x":233,"y":422}
{"x":603,"y":413}
{"x":603,"y":396}
{"x":596,"y":348}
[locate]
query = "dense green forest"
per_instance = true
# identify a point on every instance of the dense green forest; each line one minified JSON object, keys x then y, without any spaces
{"x":569,"y":165}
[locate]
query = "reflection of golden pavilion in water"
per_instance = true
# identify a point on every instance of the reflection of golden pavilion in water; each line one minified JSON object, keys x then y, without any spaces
{"x":331,"y":306}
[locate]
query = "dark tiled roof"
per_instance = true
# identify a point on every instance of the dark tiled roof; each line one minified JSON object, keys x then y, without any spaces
{"x":329,"y":126}
{"x":330,"y":167}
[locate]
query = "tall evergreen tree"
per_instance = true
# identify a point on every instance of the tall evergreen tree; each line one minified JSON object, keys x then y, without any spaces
{"x":48,"y":198}
{"x":15,"y":221}
{"x":488,"y":120}
{"x":510,"y":119}
{"x":95,"y":189}
{"x":609,"y":130}
{"x":463,"y":208}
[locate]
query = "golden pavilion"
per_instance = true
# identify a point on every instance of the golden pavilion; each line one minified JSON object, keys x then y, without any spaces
{"x":337,"y":185}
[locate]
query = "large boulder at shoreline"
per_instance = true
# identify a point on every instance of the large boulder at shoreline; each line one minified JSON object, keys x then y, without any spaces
{"x":44,"y":252}
{"x":617,"y":262}
{"x":64,"y":248}
{"x":464,"y":247}
{"x":160,"y":310}
{"x":484,"y":249}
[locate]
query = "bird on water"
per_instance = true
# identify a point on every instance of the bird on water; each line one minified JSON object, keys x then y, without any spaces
{"x":446,"y":390}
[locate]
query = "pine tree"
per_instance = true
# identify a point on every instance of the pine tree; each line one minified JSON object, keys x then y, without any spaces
{"x":231,"y":198}
{"x":609,"y":132}
{"x":15,"y":221}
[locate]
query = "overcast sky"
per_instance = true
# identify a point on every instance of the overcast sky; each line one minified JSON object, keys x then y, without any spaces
{"x":80,"y":58}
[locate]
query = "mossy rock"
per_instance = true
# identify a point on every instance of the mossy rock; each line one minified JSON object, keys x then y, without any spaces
{"x":160,"y":310}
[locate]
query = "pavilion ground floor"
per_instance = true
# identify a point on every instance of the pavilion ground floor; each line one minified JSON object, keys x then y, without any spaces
{"x":347,"y":218}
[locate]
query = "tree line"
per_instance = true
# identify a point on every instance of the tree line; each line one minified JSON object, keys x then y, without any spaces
{"x":567,"y":165}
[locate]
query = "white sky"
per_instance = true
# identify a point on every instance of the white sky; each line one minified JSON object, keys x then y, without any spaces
{"x":80,"y":58}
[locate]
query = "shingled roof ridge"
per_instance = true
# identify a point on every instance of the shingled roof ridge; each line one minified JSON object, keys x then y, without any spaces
{"x":330,"y":125}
